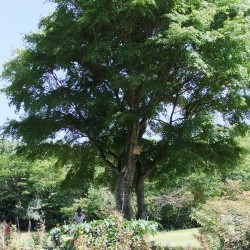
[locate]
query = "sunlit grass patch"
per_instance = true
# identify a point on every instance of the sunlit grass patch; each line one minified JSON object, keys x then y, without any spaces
{"x":182,"y":238}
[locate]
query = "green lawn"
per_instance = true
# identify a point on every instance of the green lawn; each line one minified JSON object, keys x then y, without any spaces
{"x":177,"y":238}
{"x":181,"y":238}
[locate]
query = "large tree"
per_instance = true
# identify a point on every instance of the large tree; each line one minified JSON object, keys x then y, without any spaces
{"x":104,"y":74}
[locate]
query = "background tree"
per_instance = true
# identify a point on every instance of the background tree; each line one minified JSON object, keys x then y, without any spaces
{"x":98,"y":204}
{"x":171,"y":203}
{"x":107,"y":73}
{"x":31,"y":190}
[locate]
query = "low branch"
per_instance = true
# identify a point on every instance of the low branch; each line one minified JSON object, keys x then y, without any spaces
{"x":110,"y":165}
{"x":149,"y":170}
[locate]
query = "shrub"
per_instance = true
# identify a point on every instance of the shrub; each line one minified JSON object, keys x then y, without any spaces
{"x":225,"y":222}
{"x":114,"y":232}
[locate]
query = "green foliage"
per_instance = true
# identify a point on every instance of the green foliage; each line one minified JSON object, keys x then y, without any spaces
{"x":114,"y":232}
{"x":171,"y":209}
{"x":97,"y":204}
{"x":31,"y":190}
{"x":203,"y":187}
{"x":100,"y":75}
{"x":172,"y":218}
{"x":196,"y":148}
{"x":225,"y":221}
{"x":242,"y":173}
{"x":172,"y":206}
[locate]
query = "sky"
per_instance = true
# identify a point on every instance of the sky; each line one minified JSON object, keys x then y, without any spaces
{"x":17,"y":18}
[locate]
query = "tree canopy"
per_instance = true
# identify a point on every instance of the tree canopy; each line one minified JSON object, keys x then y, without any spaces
{"x":109,"y":74}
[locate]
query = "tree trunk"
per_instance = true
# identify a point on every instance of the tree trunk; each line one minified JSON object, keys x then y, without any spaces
{"x":139,"y":188}
{"x":141,"y":207}
{"x":125,"y":177}
{"x":123,"y":195}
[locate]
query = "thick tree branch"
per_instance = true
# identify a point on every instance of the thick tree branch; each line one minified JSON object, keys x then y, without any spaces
{"x":149,"y":170}
{"x":173,"y":109}
{"x":109,"y":164}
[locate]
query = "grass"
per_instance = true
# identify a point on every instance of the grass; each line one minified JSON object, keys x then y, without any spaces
{"x":179,"y":238}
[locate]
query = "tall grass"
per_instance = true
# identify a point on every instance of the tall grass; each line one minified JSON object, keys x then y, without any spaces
{"x":23,"y":240}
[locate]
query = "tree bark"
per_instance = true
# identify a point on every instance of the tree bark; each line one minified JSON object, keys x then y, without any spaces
{"x":125,"y":176}
{"x":139,"y":189}
{"x":141,"y":206}
{"x":123,"y":191}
